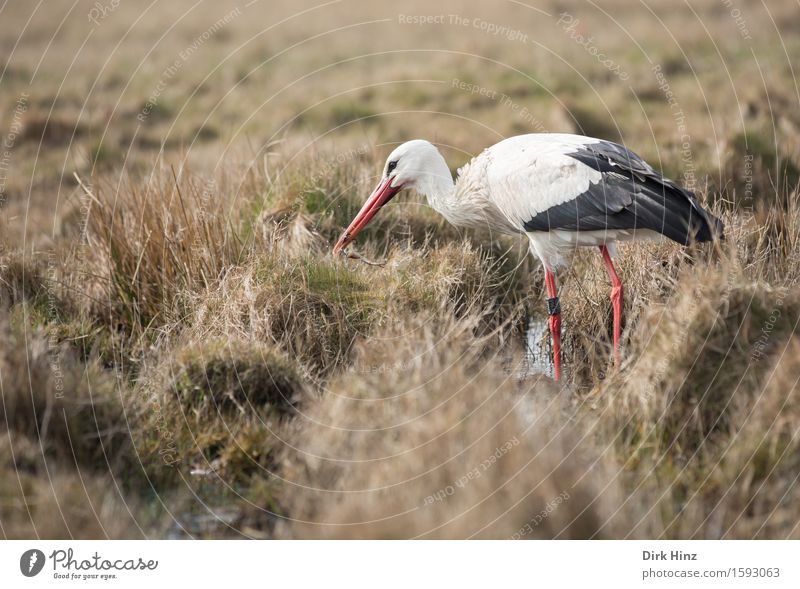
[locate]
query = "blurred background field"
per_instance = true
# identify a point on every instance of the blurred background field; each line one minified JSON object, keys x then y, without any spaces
{"x":180,"y":355}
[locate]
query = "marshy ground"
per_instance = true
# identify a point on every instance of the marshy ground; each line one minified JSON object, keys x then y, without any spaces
{"x":181,"y":356}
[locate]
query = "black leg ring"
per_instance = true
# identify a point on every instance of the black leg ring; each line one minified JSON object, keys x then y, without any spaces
{"x":554,"y":306}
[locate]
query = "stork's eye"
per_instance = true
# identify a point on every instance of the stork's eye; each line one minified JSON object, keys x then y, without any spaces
{"x":390,"y":167}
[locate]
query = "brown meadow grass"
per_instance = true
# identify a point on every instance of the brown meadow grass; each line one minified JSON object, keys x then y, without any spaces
{"x":181,"y":355}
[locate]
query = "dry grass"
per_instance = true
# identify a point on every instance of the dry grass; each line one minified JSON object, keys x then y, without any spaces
{"x":342,"y":400}
{"x":755,"y":483}
{"x":154,"y":243}
{"x":304,"y":396}
{"x":64,"y":440}
{"x":462,"y":450}
{"x":181,"y":356}
{"x":50,"y":500}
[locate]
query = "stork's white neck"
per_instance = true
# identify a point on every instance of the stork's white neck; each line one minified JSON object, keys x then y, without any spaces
{"x":438,"y":187}
{"x":462,"y":205}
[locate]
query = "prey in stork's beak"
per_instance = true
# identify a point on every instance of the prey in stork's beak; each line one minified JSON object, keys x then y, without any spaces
{"x":382,"y":194}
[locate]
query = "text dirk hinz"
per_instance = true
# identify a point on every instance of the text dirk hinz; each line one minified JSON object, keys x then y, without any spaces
{"x":673,"y":555}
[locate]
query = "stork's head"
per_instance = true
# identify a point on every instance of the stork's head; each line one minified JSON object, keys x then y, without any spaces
{"x":414,"y":164}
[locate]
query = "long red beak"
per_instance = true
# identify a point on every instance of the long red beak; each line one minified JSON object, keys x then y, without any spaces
{"x":382,"y":194}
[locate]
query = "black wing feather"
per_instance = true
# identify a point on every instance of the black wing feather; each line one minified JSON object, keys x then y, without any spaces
{"x":630,"y":195}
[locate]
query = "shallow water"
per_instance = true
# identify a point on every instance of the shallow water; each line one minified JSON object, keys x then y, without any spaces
{"x":538,"y":358}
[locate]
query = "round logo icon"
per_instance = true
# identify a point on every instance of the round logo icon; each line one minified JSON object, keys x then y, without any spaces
{"x":31,"y":562}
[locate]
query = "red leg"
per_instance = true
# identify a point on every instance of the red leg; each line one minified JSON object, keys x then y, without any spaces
{"x":616,"y":300}
{"x":554,"y":308}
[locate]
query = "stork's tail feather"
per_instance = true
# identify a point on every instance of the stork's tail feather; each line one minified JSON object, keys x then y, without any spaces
{"x":664,"y":206}
{"x":702,"y":226}
{"x":710,"y":228}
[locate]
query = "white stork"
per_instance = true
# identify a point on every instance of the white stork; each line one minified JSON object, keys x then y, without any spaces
{"x":559,"y":190}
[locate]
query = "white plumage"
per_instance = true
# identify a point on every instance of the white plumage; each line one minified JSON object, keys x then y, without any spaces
{"x":527,"y":175}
